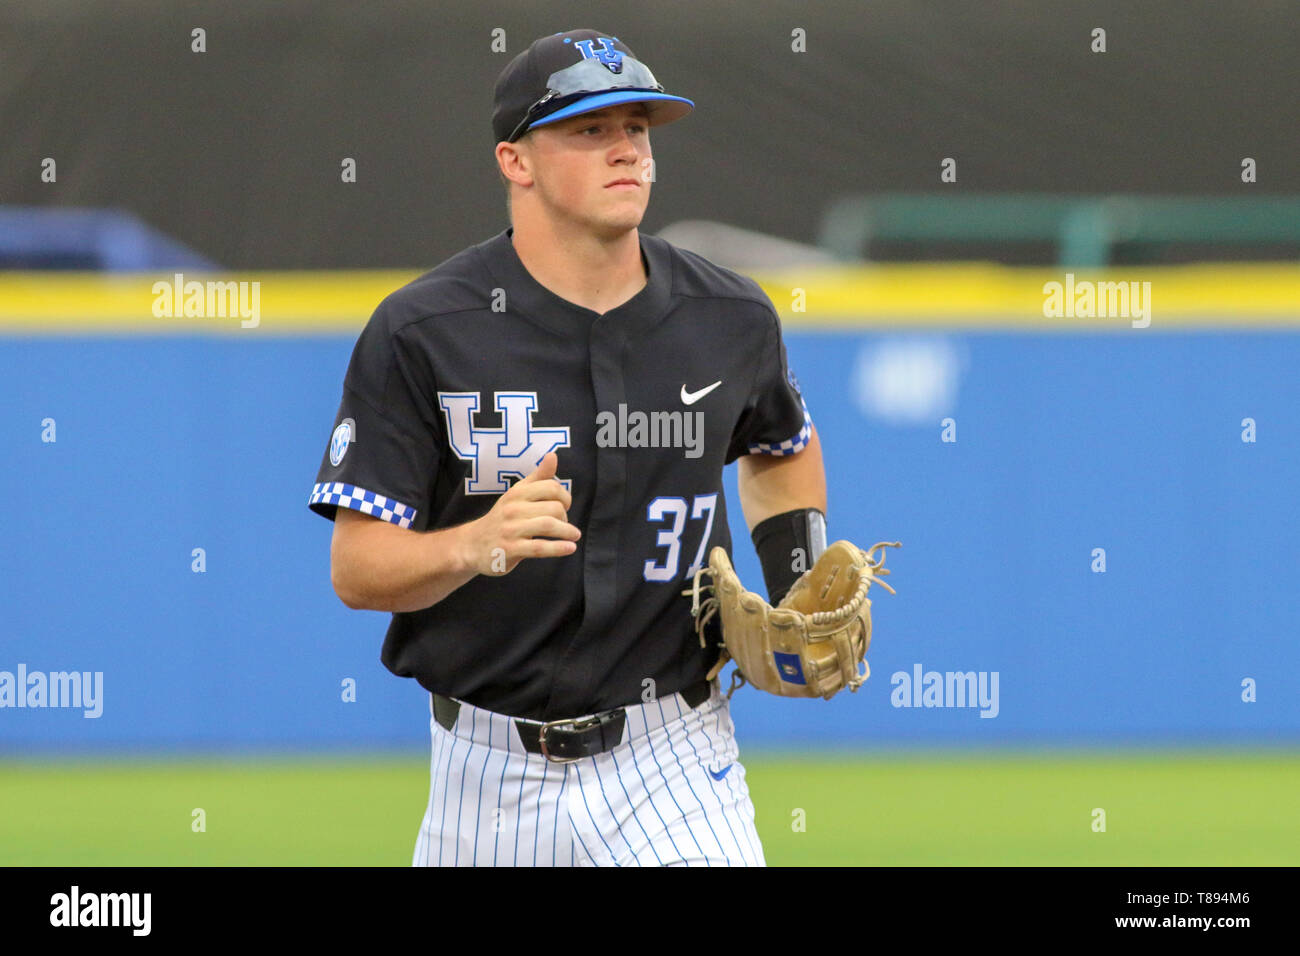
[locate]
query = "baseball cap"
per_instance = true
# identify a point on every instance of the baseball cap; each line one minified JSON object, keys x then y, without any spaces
{"x":567,"y":74}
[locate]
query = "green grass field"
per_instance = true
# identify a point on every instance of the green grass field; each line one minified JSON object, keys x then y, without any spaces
{"x":1162,"y":809}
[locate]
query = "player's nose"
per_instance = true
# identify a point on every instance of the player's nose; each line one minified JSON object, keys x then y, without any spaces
{"x":625,"y":146}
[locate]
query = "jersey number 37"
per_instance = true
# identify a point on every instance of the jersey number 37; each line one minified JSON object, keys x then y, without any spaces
{"x":676,"y":511}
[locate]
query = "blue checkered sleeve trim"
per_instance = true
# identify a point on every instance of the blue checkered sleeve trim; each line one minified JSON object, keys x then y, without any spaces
{"x":790,"y":446}
{"x":358,"y":499}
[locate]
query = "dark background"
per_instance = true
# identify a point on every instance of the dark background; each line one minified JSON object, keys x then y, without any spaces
{"x":237,"y":151}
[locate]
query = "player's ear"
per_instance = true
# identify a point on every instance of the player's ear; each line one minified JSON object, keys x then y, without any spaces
{"x":514,"y":161}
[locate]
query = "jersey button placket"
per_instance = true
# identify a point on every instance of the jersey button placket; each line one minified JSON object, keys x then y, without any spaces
{"x":573,"y":684}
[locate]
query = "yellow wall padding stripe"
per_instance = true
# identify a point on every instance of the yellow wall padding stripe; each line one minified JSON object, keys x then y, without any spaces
{"x":992,"y":296}
{"x":287,"y":302}
{"x":961,"y":295}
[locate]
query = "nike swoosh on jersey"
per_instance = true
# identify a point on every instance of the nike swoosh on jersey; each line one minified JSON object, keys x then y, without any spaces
{"x":690,"y":398}
{"x":721,"y":773}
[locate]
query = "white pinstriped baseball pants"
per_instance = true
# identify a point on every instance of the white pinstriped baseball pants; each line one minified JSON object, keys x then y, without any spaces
{"x":673,"y":793}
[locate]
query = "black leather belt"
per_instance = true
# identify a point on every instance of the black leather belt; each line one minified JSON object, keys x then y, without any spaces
{"x":573,"y":738}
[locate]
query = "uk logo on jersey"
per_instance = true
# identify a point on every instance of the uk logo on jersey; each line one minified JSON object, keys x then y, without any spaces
{"x":513,"y":450}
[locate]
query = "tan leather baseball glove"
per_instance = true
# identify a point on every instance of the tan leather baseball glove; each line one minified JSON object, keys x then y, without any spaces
{"x":809,"y":645}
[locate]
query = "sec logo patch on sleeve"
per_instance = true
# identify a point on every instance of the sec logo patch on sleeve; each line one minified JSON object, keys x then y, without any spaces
{"x":344,"y":435}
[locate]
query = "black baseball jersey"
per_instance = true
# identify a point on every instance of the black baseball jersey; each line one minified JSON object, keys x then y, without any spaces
{"x":464,"y":379}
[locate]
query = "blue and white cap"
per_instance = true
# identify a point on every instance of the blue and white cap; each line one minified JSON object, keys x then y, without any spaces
{"x":567,"y":74}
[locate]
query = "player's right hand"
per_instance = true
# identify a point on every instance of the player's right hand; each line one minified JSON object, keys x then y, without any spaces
{"x":528,"y":521}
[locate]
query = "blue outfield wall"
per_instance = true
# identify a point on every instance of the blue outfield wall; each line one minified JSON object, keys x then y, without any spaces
{"x":1065,"y":443}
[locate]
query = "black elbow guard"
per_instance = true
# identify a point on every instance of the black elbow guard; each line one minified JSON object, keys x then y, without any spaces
{"x":788,"y":544}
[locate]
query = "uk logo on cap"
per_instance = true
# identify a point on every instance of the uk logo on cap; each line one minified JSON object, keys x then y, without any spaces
{"x":607,"y":55}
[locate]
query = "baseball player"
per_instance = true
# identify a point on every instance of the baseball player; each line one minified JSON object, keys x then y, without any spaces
{"x":526,"y":470}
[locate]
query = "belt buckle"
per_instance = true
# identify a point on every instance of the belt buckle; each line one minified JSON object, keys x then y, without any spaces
{"x":573,"y":724}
